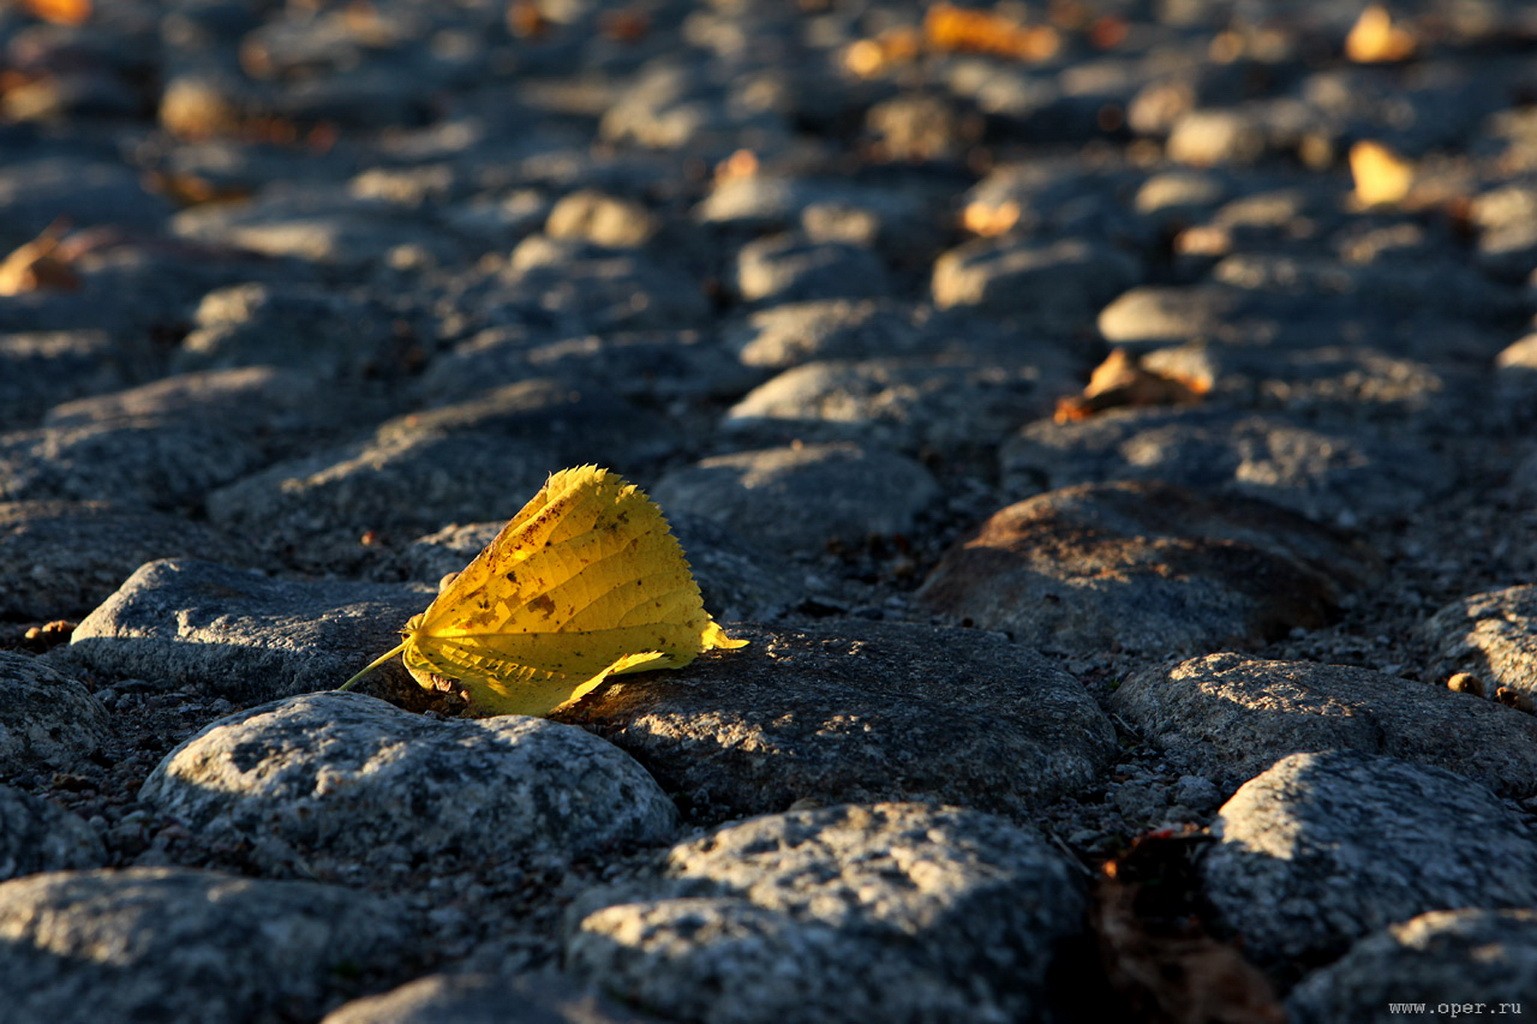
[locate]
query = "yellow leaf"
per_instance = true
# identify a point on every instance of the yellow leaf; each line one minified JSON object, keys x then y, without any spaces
{"x":1381,"y":175}
{"x":587,"y":581}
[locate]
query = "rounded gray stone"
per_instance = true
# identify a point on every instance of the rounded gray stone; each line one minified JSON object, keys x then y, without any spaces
{"x":575,"y":424}
{"x":483,"y":999}
{"x":648,"y":365}
{"x":1345,"y":475}
{"x":37,"y":836}
{"x":33,"y":192}
{"x":42,"y":368}
{"x":1231,"y":714}
{"x":878,"y":712}
{"x":581,"y":288}
{"x":1181,"y":197}
{"x":1336,"y":384}
{"x":304,"y":327}
{"x":238,"y":634}
{"x":1324,"y":848}
{"x":45,"y":715}
{"x":60,"y":559}
{"x":1491,"y":635}
{"x":163,"y":444}
{"x":1143,"y":567}
{"x":1152,"y":315}
{"x":1516,"y":376}
{"x":174,"y":944}
{"x":1459,"y":963}
{"x":350,"y":787}
{"x":311,"y":223}
{"x":915,"y":404}
{"x":1207,"y":138}
{"x":601,"y":219}
{"x":893,"y":912}
{"x":788,"y":334}
{"x":1057,"y":286}
{"x":799,"y":498}
{"x":315,"y":511}
{"x":792,"y":268}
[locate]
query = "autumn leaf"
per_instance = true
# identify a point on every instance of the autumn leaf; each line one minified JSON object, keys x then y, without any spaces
{"x":1381,"y":175}
{"x":1121,"y":380}
{"x":37,"y":266}
{"x":587,"y":581}
{"x":948,"y":28}
{"x":1376,"y":39}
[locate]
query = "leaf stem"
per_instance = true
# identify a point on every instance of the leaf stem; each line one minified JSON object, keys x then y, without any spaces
{"x":380,"y":660}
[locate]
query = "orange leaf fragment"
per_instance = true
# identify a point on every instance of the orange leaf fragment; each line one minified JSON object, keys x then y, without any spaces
{"x":1121,"y":381}
{"x":1375,"y":39}
{"x":870,"y":57}
{"x":741,"y":164}
{"x":60,"y":12}
{"x":1381,"y":175}
{"x":956,"y":29}
{"x":36,"y":266}
{"x":990,"y":219}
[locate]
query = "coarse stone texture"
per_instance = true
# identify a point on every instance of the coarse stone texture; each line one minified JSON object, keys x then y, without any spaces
{"x":1427,"y":288}
{"x":1143,"y":567}
{"x":1059,"y":286}
{"x":893,"y":912}
{"x":306,"y":328}
{"x":480,"y":457}
{"x":1389,"y":309}
{"x":33,"y":191}
{"x":1493,"y":636}
{"x":36,"y":836}
{"x":1341,"y":476}
{"x":789,"y":334}
{"x":581,"y":287}
{"x":1226,"y":713}
{"x":316,"y":225}
{"x":344,"y":786}
{"x":45,"y":715}
{"x":793,"y":268}
{"x":574,"y":423}
{"x":1324,"y":848}
{"x":314,"y":512}
{"x":1339,"y":386}
{"x":161,"y":445}
{"x":1480,"y":961}
{"x":60,"y":559}
{"x":1516,"y":377}
{"x":798,"y":499}
{"x":83,"y":947}
{"x":484,"y":999}
{"x":735,"y":581}
{"x":645,"y":364}
{"x":1154,"y":315}
{"x":39,"y":369}
{"x":901,"y":221}
{"x":238,"y":634}
{"x":881,"y":711}
{"x":916,"y":404}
